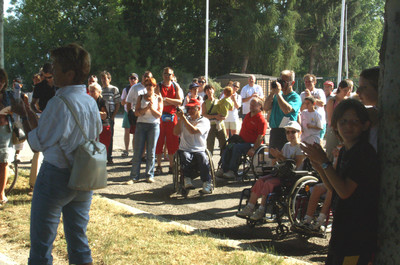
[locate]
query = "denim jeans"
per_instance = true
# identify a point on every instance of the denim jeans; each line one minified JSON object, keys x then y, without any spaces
{"x":146,"y":133}
{"x":236,"y":151}
{"x":194,"y":162}
{"x":51,"y":197}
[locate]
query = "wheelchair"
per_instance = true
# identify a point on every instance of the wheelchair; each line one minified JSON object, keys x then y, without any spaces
{"x":250,"y":168}
{"x":178,"y":178}
{"x":290,"y":198}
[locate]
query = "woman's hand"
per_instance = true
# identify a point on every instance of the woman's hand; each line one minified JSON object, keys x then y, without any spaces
{"x":315,"y":153}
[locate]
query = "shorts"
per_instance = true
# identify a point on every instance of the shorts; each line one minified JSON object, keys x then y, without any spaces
{"x":231,"y":125}
{"x":277,"y":139}
{"x":125,"y":121}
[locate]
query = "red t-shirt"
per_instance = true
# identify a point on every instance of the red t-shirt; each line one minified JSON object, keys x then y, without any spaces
{"x":252,"y":127}
{"x":168,"y":92}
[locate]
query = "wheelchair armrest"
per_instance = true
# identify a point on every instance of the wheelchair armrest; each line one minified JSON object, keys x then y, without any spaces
{"x":302,"y":172}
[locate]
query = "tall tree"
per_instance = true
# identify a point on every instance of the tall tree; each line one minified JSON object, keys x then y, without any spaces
{"x":388,"y":141}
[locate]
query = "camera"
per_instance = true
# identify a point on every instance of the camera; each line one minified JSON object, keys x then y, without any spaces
{"x":280,"y":81}
{"x":178,"y":109}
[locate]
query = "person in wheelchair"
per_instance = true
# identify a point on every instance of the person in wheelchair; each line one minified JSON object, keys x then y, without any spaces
{"x":193,"y":130}
{"x":265,"y":185}
{"x":253,"y":129}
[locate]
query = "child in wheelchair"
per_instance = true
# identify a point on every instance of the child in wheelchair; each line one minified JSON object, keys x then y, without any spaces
{"x":265,"y":185}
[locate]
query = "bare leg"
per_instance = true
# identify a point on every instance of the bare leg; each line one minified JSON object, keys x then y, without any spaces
{"x":171,"y":160}
{"x":126,"y":139}
{"x":253,"y":198}
{"x":3,"y":180}
{"x":327,"y":203}
{"x":158,"y":156}
{"x":317,"y":192}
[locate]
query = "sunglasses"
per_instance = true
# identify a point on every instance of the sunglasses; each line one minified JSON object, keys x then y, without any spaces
{"x":48,"y":77}
{"x":132,"y":78}
{"x":201,"y":82}
{"x":291,"y":132}
{"x":236,"y":86}
{"x":168,"y":74}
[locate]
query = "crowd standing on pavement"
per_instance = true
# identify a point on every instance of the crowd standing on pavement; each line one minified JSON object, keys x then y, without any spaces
{"x":159,"y":115}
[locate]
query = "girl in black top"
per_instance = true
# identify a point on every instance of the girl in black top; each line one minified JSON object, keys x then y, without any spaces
{"x":354,"y":184}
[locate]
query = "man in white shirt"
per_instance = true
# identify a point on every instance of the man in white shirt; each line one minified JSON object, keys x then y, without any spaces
{"x":193,"y":131}
{"x":51,"y":195}
{"x":310,"y":81}
{"x":131,"y":99}
{"x":249,"y":91}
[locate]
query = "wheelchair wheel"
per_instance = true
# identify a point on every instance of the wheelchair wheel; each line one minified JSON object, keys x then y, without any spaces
{"x":177,"y":173}
{"x":260,"y":162}
{"x":212,"y":168}
{"x":12,"y":171}
{"x":298,"y":198}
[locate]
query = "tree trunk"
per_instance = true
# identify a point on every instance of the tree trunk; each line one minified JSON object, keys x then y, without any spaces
{"x":244,"y":63}
{"x":312,"y":59}
{"x":389,"y":139}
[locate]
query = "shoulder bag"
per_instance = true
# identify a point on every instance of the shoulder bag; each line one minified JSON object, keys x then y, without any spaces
{"x":89,"y":169}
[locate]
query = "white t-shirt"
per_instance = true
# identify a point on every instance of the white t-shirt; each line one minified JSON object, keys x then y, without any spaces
{"x":148,"y":117}
{"x":311,"y":135}
{"x":246,"y":92}
{"x":290,"y":152}
{"x":134,"y":92}
{"x":195,"y":142}
{"x":317,"y":93}
{"x":233,"y":115}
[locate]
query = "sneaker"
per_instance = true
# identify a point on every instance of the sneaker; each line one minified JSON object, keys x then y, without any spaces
{"x":130,"y":162}
{"x":229,"y":175}
{"x":258,"y":214}
{"x":207,"y":188}
{"x":158,"y":170}
{"x":188,"y":183}
{"x":125,"y":153}
{"x":245,"y":212}
{"x":110,"y":162}
{"x":130,"y":182}
{"x":219,"y":173}
{"x":150,"y":180}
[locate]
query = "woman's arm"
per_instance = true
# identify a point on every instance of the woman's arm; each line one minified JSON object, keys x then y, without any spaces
{"x":343,"y":187}
{"x":157,"y":112}
{"x":329,"y":110}
{"x":139,"y":111}
{"x":103,"y":113}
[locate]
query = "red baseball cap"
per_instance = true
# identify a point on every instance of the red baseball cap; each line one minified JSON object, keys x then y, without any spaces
{"x":193,"y":102}
{"x":330,"y":83}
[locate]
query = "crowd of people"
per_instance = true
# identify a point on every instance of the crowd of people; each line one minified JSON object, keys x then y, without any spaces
{"x":159,"y":116}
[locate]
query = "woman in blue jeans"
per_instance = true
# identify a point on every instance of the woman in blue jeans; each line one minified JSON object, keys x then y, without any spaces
{"x":148,"y":110}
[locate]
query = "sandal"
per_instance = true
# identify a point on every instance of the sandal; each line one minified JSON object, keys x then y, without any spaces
{"x":158,"y":170}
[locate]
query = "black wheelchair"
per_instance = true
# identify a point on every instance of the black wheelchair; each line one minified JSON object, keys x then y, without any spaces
{"x":290,"y":198}
{"x":178,"y":178}
{"x":252,"y":167}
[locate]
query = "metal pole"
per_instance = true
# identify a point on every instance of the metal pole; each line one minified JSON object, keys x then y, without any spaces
{"x":346,"y":56}
{"x":341,"y":44}
{"x":206,"y":59}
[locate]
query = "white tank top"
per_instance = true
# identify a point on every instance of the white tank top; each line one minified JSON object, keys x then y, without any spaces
{"x":148,"y":116}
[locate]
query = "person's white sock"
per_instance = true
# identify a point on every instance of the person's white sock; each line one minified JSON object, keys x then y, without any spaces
{"x":321,"y":218}
{"x":251,"y":205}
{"x":307,"y":219}
{"x":262,"y":207}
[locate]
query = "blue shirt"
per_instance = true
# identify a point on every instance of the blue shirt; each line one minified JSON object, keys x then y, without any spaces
{"x":57,"y":127}
{"x":277,"y":114}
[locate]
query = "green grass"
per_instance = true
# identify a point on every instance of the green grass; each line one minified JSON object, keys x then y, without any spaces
{"x":117,"y":236}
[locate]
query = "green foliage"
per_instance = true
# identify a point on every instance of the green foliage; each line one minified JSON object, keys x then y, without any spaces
{"x":262,"y":36}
